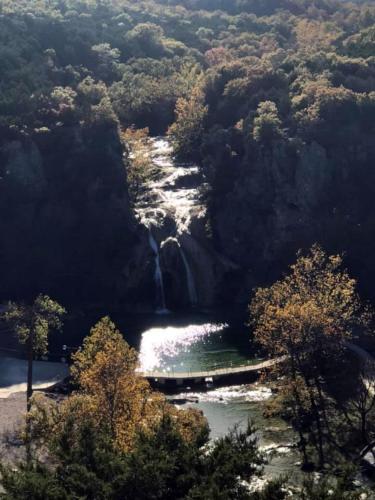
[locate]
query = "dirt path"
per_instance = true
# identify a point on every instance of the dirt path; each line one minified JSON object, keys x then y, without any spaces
{"x":12,"y":412}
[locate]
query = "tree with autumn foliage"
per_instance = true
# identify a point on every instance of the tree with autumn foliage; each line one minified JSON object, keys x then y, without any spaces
{"x":306,"y":320}
{"x":112,"y":395}
{"x":187,"y":130}
{"x":102,"y":334}
{"x":115,"y":438}
{"x":140,"y":165}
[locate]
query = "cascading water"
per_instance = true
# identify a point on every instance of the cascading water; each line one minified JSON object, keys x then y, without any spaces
{"x":170,"y":208}
{"x":160,"y":293}
{"x":193,"y":296}
{"x":170,"y":202}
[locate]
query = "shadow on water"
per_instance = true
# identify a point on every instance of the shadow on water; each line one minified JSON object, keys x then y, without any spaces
{"x":13,"y":374}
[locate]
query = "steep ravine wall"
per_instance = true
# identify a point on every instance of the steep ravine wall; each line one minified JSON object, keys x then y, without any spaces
{"x":283,"y":200}
{"x":66,"y":225}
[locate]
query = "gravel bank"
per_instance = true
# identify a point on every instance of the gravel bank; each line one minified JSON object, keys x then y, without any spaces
{"x":12,"y":412}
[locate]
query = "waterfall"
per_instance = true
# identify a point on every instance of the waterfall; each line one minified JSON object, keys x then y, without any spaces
{"x":169,"y":202}
{"x":161,"y":305}
{"x":193,"y":296}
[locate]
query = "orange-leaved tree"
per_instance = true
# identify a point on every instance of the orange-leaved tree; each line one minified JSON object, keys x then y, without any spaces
{"x":187,"y":130}
{"x":307,"y":318}
{"x":112,"y":395}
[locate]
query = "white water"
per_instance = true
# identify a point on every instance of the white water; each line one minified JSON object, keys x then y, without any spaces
{"x":169,"y":197}
{"x":166,"y":195}
{"x":193,"y":296}
{"x":225,"y":395}
{"x":161,"y":305}
{"x":164,"y":347}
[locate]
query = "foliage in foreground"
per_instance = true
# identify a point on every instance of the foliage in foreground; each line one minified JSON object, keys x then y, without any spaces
{"x":112,"y":396}
{"x":307,"y":320}
{"x":161,"y":466}
{"x":114,"y":438}
{"x":32,"y":324}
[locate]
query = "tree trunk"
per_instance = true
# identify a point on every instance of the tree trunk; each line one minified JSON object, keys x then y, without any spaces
{"x":364,"y":426}
{"x":298,"y":412}
{"x":318,"y":422}
{"x":30,"y":356}
{"x":319,"y":431}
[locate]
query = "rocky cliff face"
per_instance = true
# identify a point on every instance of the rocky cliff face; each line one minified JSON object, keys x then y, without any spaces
{"x":186,"y":269}
{"x":67,"y":227}
{"x":287,"y":197}
{"x":66,"y":224}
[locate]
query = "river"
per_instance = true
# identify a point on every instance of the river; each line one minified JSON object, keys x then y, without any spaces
{"x":192,"y":340}
{"x":199,"y":342}
{"x":173,"y":211}
{"x":13,"y":374}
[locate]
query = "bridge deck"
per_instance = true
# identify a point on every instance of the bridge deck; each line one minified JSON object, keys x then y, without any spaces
{"x":218,"y":372}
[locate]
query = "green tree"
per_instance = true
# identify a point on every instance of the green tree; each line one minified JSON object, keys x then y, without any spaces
{"x":32,"y":323}
{"x":187,"y":130}
{"x":145,"y":39}
{"x":305,"y":320}
{"x":267,"y":124}
{"x":107,"y":61}
{"x":161,"y":466}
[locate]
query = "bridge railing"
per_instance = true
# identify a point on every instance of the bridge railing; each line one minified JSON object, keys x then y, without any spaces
{"x":173,"y":373}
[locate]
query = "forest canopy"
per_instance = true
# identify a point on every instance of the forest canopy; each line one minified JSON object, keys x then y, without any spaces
{"x":274,"y":99}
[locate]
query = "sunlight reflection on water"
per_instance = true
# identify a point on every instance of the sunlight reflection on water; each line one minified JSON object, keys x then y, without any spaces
{"x":160,"y":345}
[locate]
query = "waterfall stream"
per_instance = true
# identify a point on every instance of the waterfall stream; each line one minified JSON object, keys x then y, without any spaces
{"x":172,"y":210}
{"x":160,"y":293}
{"x":193,"y":296}
{"x":170,"y":202}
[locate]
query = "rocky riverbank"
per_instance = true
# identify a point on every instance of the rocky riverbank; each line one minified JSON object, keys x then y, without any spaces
{"x":12,"y":414}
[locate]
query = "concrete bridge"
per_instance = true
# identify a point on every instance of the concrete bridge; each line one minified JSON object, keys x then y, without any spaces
{"x":173,"y":380}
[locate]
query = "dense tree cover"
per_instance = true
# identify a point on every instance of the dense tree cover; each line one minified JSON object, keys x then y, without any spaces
{"x":116,"y":438}
{"x":274,"y":98}
{"x":288,"y":144}
{"x":306,"y":320}
{"x":160,"y":466}
{"x":146,"y":54}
